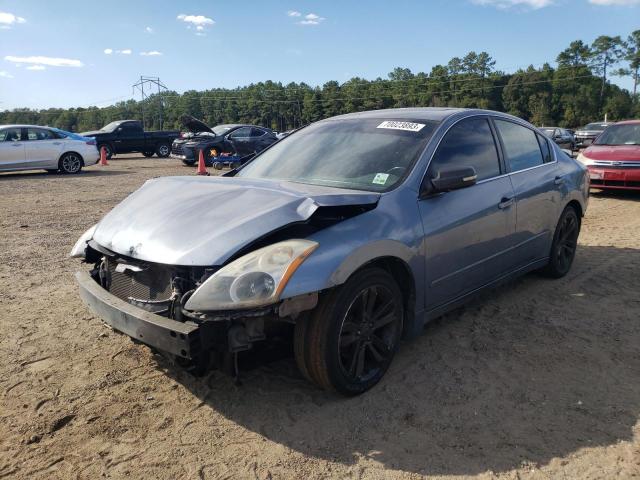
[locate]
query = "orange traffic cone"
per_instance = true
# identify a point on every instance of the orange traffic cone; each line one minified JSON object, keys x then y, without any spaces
{"x":202,"y":169}
{"x":103,"y":157}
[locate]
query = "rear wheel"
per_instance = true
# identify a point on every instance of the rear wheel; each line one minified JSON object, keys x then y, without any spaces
{"x":70,"y":163}
{"x":163,"y":150}
{"x":189,"y":163}
{"x":565,"y":242}
{"x":348,"y":342}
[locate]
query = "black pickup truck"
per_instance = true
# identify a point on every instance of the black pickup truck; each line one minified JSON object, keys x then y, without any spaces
{"x":126,"y":136}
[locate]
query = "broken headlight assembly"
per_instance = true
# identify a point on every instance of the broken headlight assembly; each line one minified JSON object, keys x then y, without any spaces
{"x":254,"y":280}
{"x":79,"y":249}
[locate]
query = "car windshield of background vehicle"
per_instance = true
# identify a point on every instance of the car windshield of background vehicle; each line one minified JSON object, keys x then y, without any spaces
{"x":220,"y":130}
{"x":548,"y":131}
{"x":595,"y":126}
{"x":110,"y":127}
{"x":620,"y":135}
{"x":361,"y":154}
{"x":65,"y":134}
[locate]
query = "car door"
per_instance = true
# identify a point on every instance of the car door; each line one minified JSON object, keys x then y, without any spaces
{"x":468,"y":233}
{"x":537,"y":182}
{"x":11,"y":148}
{"x":42,"y":148}
{"x":129,"y":138}
{"x":260,"y":139}
{"x":241,"y":140}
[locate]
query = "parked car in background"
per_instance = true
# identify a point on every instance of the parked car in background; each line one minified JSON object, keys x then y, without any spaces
{"x":563,"y":137}
{"x":237,"y":139}
{"x":30,"y":147}
{"x":353,"y":232}
{"x":613,"y":159}
{"x":128,"y":136}
{"x":587,"y":134}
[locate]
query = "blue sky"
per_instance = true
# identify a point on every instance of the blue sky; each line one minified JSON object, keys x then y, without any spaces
{"x":52,"y":54}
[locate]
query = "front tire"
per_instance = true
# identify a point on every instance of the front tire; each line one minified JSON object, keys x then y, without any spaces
{"x":163,"y":150}
{"x":348,"y":342}
{"x":70,"y":163}
{"x":565,"y":243}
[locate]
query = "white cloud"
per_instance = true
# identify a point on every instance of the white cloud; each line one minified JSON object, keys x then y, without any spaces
{"x":7,"y":20}
{"x":293,"y":13}
{"x":505,"y":4}
{"x":37,"y":67}
{"x":148,"y":29}
{"x":200,"y":28}
{"x":615,"y":2}
{"x":47,"y":61}
{"x":196,"y":20}
{"x":110,"y":51}
{"x":312,"y":19}
{"x":152,"y":53}
{"x":4,"y":74}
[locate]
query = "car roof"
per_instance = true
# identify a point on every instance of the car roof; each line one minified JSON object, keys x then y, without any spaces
{"x":436,"y":114}
{"x":23,"y":126}
{"x":628,"y":122}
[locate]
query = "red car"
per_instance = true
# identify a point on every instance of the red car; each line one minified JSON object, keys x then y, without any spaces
{"x":613,"y":159}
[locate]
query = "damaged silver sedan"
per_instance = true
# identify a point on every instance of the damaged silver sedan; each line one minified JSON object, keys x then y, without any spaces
{"x":348,"y":235}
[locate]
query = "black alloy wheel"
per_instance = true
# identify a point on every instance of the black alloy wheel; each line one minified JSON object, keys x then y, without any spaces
{"x":348,"y":341}
{"x":565,"y":243}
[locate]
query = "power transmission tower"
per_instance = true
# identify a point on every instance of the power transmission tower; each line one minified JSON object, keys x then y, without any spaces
{"x":150,"y":83}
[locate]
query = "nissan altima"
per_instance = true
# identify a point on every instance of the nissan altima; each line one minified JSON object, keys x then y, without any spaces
{"x":353,"y":232}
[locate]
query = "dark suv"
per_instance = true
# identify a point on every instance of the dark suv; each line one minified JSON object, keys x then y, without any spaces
{"x":563,"y":137}
{"x":236,"y":139}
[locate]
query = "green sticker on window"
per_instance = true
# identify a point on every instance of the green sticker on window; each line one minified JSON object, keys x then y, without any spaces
{"x":380,"y":178}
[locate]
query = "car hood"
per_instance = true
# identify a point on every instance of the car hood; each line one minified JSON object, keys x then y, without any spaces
{"x":613,"y":152}
{"x":91,"y":133}
{"x":194,"y":125}
{"x":200,"y":221}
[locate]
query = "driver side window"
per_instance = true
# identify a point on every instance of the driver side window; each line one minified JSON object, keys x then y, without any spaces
{"x":469,"y":143}
{"x":244,"y":132}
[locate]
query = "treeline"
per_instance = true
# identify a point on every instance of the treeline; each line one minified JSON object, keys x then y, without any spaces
{"x":574,"y":93}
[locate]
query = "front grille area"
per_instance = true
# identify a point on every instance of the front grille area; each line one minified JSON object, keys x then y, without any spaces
{"x":152,"y":283}
{"x":176,"y":149}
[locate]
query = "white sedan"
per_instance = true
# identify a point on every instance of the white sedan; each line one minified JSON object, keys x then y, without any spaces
{"x":30,"y":147}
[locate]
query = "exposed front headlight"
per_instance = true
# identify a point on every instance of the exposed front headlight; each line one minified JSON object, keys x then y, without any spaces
{"x":254,"y":280}
{"x":78,"y":250}
{"x":584,"y":160}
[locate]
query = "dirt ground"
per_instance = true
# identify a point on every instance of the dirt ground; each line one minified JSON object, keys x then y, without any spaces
{"x":537,"y":380}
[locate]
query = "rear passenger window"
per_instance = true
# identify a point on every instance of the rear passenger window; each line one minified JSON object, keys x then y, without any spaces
{"x":257,"y":132}
{"x":520,"y":144}
{"x":546,"y":150}
{"x":40,"y":134}
{"x":469,"y":143}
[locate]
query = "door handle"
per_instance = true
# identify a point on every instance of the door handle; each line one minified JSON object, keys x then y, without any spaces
{"x":57,"y":143}
{"x":558,"y":180}
{"x":505,"y":203}
{"x":16,"y":144}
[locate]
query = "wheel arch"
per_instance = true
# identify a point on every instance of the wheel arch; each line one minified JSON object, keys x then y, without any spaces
{"x":70,"y":151}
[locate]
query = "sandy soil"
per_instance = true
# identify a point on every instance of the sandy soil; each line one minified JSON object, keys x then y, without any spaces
{"x":538,"y":380}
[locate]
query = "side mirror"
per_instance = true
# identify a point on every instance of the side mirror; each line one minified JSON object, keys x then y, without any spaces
{"x":453,"y":179}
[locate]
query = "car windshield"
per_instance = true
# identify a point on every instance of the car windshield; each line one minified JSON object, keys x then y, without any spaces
{"x":110,"y":127}
{"x":620,"y":135}
{"x":64,"y":133}
{"x":362,"y":154}
{"x":220,"y":129}
{"x":595,"y":126}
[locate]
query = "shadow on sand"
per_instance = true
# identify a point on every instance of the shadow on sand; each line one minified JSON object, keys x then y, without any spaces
{"x":526,"y":373}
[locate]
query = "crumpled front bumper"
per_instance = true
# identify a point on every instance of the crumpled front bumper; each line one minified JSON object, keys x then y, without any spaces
{"x":178,"y":338}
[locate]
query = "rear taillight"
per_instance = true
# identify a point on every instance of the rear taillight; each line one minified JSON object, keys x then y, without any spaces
{"x":91,"y":142}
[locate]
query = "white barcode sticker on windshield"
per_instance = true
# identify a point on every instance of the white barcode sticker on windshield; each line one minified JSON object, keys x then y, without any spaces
{"x":407,"y":126}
